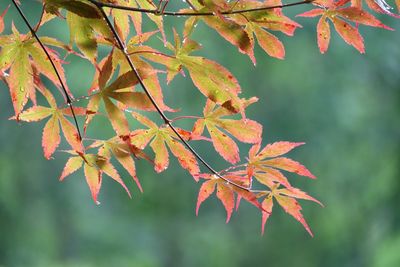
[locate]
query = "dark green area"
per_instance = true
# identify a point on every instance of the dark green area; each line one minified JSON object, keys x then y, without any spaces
{"x":344,"y":105}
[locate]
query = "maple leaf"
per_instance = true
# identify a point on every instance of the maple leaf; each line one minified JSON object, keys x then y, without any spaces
{"x":23,"y":56}
{"x":257,"y":23}
{"x":122,"y":91}
{"x":51,"y":132}
{"x":224,"y":194}
{"x":286,"y":198}
{"x":158,"y":20}
{"x":122,"y":151}
{"x":245,"y":130}
{"x":226,"y":191}
{"x":264,"y":164}
{"x":340,"y":17}
{"x":226,"y":27}
{"x":94,"y":166}
{"x":212,"y":80}
{"x":85,"y":23}
{"x":160,"y":138}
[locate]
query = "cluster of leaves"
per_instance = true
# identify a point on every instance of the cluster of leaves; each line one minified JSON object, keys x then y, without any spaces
{"x":126,"y":89}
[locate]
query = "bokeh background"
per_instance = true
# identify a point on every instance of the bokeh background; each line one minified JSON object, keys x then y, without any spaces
{"x":344,"y":105}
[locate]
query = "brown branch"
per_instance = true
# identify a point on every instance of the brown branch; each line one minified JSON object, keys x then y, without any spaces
{"x":167,"y":121}
{"x":171,"y":13}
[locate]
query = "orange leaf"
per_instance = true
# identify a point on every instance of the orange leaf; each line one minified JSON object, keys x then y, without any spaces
{"x":227,"y":197}
{"x":277,"y":149}
{"x":184,"y":156}
{"x":93,"y":179}
{"x":291,"y":206}
{"x":323,"y":34}
{"x":270,"y":43}
{"x":267,"y":205}
{"x":349,"y":34}
{"x":289,"y":165}
{"x":224,"y":145}
{"x":51,"y":137}
{"x":206,"y":190}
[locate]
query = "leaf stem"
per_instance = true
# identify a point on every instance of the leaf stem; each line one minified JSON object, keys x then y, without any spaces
{"x":185,"y":117}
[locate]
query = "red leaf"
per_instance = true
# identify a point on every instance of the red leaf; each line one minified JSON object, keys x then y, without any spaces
{"x":289,"y":165}
{"x":349,"y":34}
{"x":297,"y":193}
{"x":312,"y":13}
{"x":267,"y":205}
{"x":360,"y":16}
{"x":227,"y":197}
{"x":206,"y":190}
{"x":323,"y":34}
{"x":224,"y":145}
{"x":270,"y":43}
{"x":185,"y":157}
{"x":93,"y":179}
{"x":248,"y":196}
{"x":277,"y":149}
{"x":291,"y":206}
{"x":271,"y":176}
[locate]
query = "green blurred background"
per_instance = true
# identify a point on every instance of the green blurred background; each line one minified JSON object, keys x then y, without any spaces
{"x":344,"y":105}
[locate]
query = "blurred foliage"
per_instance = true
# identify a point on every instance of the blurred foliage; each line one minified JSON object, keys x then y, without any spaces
{"x":346,"y":106}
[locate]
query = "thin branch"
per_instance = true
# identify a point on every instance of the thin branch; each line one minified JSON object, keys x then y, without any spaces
{"x":40,"y":20}
{"x":167,"y":121}
{"x":171,"y":13}
{"x":67,"y":97}
{"x":191,"y":5}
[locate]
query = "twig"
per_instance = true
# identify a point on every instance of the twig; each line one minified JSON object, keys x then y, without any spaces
{"x":171,"y":13}
{"x":67,"y":97}
{"x":191,"y":5}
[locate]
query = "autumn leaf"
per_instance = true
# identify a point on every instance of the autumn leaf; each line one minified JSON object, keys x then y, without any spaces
{"x":245,"y":130}
{"x":160,"y":138}
{"x":120,"y":90}
{"x":291,"y":206}
{"x":23,"y":56}
{"x":340,"y":17}
{"x":270,"y":157}
{"x":51,"y":132}
{"x":227,"y":28}
{"x":123,"y":152}
{"x":84,"y":31}
{"x":267,"y":205}
{"x":94,"y":167}
{"x":225,"y":193}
